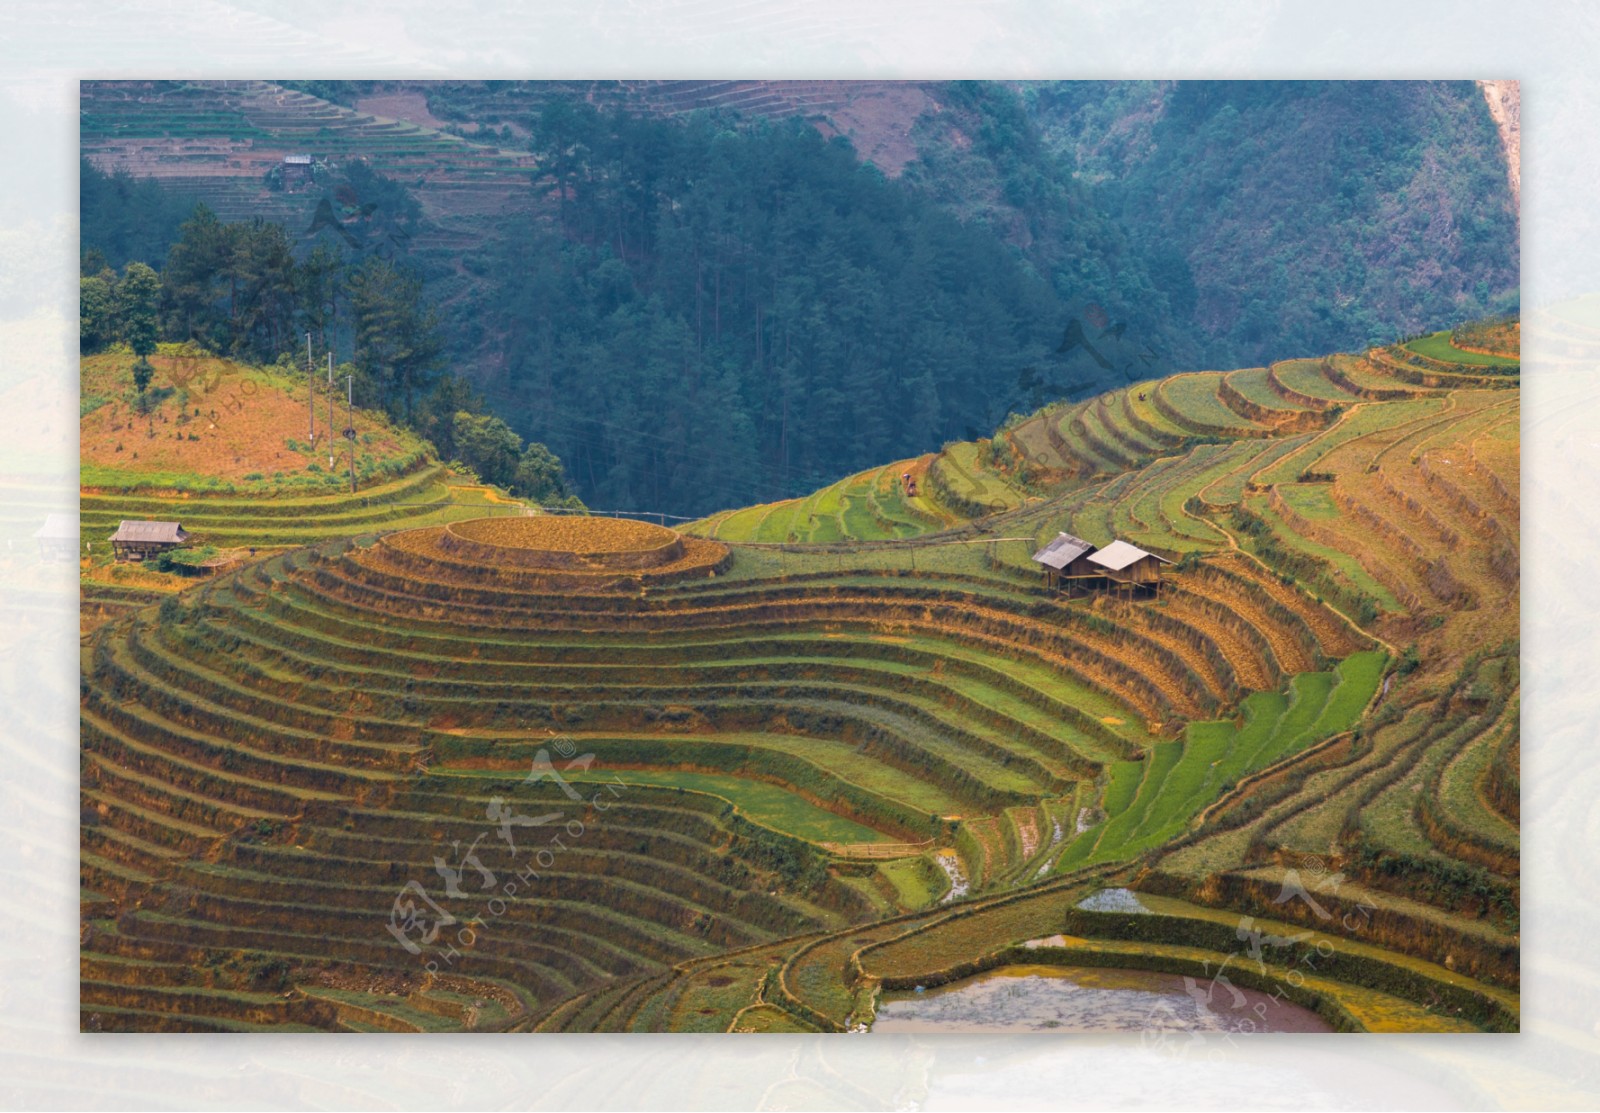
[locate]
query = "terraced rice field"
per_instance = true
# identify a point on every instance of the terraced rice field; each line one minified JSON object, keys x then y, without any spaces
{"x":786,"y":777}
{"x":217,"y":142}
{"x":1441,"y":346}
{"x":858,"y":708}
{"x":244,"y":527}
{"x":209,"y":451}
{"x":1157,"y":798}
{"x":431,"y":494}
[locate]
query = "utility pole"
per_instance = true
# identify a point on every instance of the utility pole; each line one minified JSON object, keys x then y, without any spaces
{"x":350,"y":425}
{"x":330,"y":409}
{"x":311,"y":392}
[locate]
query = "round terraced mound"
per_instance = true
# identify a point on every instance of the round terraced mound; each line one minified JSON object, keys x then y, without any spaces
{"x":548,"y":553}
{"x":585,"y":544}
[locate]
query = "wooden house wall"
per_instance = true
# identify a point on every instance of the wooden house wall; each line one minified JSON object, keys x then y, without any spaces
{"x":1145,"y":570}
{"x":1082,"y":567}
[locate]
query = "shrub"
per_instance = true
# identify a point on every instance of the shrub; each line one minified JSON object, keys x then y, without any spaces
{"x":1409,"y":660}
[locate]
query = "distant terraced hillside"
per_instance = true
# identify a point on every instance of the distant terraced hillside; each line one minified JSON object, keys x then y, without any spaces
{"x":216,"y":141}
{"x":878,"y":117}
{"x":761,"y":784}
{"x":1157,"y":463}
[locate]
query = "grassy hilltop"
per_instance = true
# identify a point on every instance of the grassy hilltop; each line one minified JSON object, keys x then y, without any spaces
{"x":224,"y":448}
{"x":827,"y":747}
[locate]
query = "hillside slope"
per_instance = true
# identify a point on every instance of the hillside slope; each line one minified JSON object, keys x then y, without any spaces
{"x":785,"y":778}
{"x":722,"y":269}
{"x":227,"y":450}
{"x":1366,"y":208}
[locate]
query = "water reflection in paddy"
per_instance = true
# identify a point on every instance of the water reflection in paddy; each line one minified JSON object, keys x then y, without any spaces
{"x":1090,"y":999}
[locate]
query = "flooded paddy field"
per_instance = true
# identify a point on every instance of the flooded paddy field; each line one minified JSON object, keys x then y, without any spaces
{"x":1090,"y":999}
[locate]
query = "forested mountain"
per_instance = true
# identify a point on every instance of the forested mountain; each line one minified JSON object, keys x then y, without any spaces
{"x":701,"y":297}
{"x":1283,"y":217}
{"x":720,"y":314}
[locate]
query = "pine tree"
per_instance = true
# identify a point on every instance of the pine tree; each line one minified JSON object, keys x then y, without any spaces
{"x":396,"y":334}
{"x":193,"y":290}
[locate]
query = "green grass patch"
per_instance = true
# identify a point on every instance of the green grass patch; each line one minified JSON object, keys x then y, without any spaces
{"x":1251,"y":384}
{"x":1195,"y":397}
{"x":1310,"y":500}
{"x":1438,"y":346}
{"x":1148,"y":803}
{"x":1305,"y":376}
{"x":1345,"y":564}
{"x":740,"y":526}
{"x":767,"y":804}
{"x":917,"y":882}
{"x":1228,"y":488}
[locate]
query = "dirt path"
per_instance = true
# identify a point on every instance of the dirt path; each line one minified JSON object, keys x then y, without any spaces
{"x":490,"y":494}
{"x":411,"y":107}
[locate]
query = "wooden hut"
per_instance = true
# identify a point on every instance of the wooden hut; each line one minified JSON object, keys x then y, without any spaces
{"x":297,"y":173}
{"x":1064,"y":560}
{"x":1123,"y":563}
{"x":58,"y":538}
{"x":142,"y":540}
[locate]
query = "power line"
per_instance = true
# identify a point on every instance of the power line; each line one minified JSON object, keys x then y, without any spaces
{"x":760,"y":490}
{"x":673,"y":444}
{"x":522,"y":508}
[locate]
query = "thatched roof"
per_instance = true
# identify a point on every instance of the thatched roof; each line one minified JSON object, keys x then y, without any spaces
{"x":1062,"y":551}
{"x":1119,"y":554}
{"x":170,"y":533}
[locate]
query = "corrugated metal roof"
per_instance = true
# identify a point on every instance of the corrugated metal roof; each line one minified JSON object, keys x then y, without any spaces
{"x":58,"y":527}
{"x":150,"y":532}
{"x":1062,"y":551}
{"x":1119,"y":554}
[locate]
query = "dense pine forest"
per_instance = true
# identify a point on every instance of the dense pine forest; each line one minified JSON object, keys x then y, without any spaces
{"x":706,"y":308}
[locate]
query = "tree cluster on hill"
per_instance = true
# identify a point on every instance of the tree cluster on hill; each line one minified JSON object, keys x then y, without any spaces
{"x":237,"y":289}
{"x":983,"y":157}
{"x":720,"y":315}
{"x":124,"y":219}
{"x":499,"y":456}
{"x":345,"y":93}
